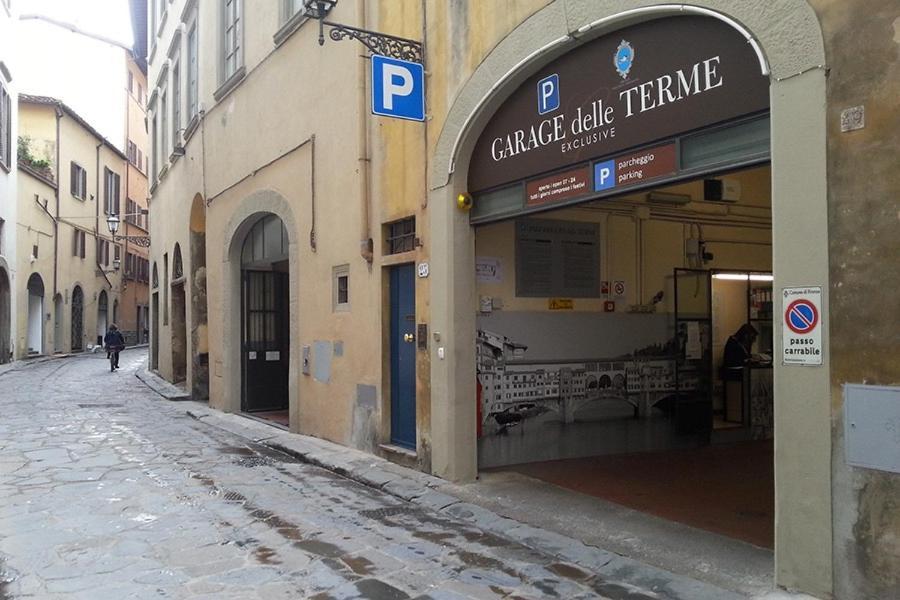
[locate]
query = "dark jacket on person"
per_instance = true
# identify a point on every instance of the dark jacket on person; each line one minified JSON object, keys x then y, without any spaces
{"x":114,"y":340}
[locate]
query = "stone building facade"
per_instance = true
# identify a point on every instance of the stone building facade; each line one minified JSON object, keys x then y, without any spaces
{"x":315,"y":264}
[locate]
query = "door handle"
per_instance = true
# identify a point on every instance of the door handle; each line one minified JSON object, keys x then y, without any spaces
{"x":408,"y":337}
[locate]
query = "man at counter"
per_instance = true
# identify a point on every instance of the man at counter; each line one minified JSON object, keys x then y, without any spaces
{"x":737,"y":349}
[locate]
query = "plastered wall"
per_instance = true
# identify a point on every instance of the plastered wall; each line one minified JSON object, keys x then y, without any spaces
{"x":865,"y":275}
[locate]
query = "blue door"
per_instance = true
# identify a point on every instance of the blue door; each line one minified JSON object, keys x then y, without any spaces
{"x":403,"y":356}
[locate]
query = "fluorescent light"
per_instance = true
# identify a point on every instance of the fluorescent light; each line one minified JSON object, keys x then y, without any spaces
{"x":743,"y":277}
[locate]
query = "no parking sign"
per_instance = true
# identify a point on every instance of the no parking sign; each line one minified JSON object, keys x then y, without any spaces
{"x":802,"y":331}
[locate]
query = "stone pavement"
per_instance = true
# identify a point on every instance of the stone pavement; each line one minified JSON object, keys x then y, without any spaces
{"x":109,"y":491}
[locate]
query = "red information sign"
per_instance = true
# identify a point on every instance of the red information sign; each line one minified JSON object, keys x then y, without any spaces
{"x":646,"y":164}
{"x":556,"y":188}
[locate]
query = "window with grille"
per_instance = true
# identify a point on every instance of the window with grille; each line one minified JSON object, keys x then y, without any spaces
{"x":177,"y":269}
{"x":340,"y":286}
{"x":401,"y":236}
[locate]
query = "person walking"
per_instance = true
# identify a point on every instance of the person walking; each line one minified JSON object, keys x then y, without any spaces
{"x":115,"y":343}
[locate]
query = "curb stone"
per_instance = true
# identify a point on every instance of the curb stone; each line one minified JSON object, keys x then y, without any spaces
{"x":18,"y":365}
{"x":161,"y":386}
{"x":620,"y":575}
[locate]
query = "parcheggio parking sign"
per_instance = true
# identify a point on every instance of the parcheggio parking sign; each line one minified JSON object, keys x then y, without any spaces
{"x":802,"y":330}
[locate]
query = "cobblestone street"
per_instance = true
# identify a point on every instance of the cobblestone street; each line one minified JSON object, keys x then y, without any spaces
{"x":108,"y":491}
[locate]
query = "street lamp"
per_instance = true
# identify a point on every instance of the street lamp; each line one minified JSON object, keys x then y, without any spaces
{"x":112,"y":221}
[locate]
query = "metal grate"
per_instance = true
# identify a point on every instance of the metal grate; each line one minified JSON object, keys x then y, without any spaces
{"x":390,"y":511}
{"x":101,"y":405}
{"x":254,"y":461}
{"x":401,"y":236}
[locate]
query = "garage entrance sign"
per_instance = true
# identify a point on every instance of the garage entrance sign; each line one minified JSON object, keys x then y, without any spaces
{"x":802,"y":331}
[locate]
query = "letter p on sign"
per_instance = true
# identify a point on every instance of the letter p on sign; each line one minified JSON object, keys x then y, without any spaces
{"x":548,"y":94}
{"x":398,"y":88}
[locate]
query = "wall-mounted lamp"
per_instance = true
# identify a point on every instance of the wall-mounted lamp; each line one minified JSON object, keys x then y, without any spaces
{"x":464,"y":201}
{"x":113,"y":221}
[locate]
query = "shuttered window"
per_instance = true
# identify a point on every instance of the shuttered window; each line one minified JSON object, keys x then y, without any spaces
{"x":78,"y":181}
{"x":5,"y":128}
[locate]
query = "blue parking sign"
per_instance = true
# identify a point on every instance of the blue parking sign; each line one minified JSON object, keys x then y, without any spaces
{"x":548,"y":94}
{"x":398,"y":88}
{"x":604,"y":175}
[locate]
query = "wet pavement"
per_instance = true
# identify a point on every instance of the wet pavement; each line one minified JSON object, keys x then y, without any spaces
{"x":109,"y":491}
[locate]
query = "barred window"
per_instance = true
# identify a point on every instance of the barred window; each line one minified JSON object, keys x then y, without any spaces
{"x":401,"y":236}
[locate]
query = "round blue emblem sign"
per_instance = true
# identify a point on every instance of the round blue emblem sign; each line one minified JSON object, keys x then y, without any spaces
{"x":623,"y":58}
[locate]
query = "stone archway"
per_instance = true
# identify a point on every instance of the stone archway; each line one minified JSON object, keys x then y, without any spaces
{"x":58,"y":315}
{"x":154,"y":318}
{"x":77,"y":308}
{"x":198,"y":328}
{"x":5,"y":316}
{"x":102,"y":316}
{"x":789,"y":41}
{"x":179,"y":318}
{"x":34,"y":337}
{"x":242,"y":220}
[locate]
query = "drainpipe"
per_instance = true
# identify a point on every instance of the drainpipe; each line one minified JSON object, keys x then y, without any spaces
{"x":123,"y":282}
{"x":59,"y":115}
{"x":97,"y":207}
{"x":365,"y":237}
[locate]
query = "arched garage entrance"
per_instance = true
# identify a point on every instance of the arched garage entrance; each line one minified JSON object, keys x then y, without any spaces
{"x":797,"y":133}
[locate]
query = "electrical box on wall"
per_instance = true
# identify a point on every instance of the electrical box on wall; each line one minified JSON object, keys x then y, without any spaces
{"x":722,"y":190}
{"x":872,"y":426}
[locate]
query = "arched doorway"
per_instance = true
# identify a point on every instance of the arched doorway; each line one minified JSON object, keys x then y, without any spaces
{"x":58,"y":316}
{"x":5,"y":316}
{"x":199,"y":345}
{"x":179,"y":329}
{"x":102,"y":316}
{"x":154,"y":319}
{"x":35,"y":327}
{"x":799,"y":232}
{"x":77,"y":319}
{"x":265,"y":331}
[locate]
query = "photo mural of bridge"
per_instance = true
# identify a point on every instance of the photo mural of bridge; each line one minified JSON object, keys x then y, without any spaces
{"x":514,"y":388}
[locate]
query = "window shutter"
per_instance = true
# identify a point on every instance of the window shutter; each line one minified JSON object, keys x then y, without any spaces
{"x":74,"y":242}
{"x":118,"y":182}
{"x":82,"y":236}
{"x":73,"y":174}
